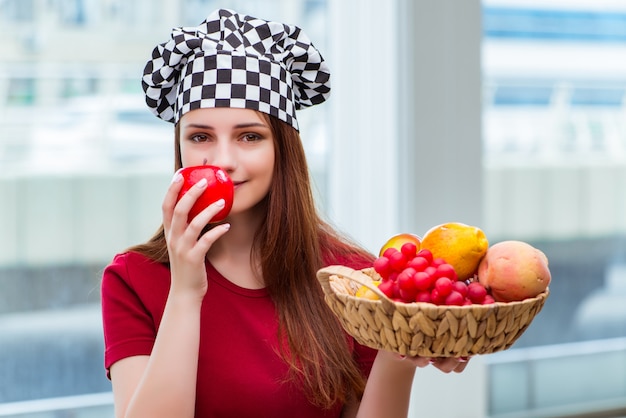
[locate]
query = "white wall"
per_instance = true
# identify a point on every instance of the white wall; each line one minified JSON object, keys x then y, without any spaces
{"x":363,"y":170}
{"x":405,"y":150}
{"x":440,"y":94}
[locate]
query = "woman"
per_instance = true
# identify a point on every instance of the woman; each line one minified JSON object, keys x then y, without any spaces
{"x":229,"y":320}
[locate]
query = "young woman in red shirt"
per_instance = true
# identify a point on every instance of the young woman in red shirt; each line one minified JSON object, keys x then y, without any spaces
{"x":228,"y":319}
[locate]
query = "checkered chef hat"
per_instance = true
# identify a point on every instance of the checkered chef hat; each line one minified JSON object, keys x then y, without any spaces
{"x":233,"y":60}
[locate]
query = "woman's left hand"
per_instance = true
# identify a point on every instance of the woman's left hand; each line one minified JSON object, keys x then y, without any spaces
{"x":445,"y":364}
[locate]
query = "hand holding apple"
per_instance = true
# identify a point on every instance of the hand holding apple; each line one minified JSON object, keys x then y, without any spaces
{"x":219,"y":186}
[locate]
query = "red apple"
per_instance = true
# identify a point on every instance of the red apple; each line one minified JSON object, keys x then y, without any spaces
{"x":400,"y":239}
{"x":219,"y":186}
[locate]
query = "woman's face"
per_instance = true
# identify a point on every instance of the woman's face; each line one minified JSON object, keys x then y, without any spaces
{"x":237,"y":140}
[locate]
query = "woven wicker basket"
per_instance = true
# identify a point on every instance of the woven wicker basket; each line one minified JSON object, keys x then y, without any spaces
{"x":423,"y":329}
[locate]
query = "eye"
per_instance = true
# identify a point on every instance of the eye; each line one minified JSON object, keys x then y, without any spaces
{"x":251,"y":137}
{"x":199,"y":138}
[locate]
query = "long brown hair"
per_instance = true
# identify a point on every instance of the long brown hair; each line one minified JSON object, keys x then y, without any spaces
{"x":289,"y":247}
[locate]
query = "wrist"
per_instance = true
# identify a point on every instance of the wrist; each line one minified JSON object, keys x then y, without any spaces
{"x":186,"y":296}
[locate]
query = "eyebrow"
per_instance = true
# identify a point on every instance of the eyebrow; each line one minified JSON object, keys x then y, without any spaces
{"x":238,"y":126}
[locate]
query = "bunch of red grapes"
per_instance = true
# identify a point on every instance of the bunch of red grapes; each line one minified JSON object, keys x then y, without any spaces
{"x":409,"y":275}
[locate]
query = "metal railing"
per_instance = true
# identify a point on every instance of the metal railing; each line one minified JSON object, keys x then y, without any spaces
{"x":564,"y":380}
{"x":96,"y":405}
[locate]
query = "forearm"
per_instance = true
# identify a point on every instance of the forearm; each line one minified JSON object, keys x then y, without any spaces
{"x":388,"y":389}
{"x":168,"y":386}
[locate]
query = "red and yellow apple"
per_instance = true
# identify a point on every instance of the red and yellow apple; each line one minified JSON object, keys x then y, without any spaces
{"x":514,"y":271}
{"x":397,"y":241}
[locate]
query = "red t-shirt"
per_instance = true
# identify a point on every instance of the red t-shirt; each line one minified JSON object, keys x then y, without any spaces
{"x":240,"y":373}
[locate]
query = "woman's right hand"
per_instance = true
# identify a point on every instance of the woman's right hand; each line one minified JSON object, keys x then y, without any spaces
{"x":138,"y":381}
{"x":187,"y":249}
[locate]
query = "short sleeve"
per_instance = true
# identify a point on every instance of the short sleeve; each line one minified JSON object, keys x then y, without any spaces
{"x":129,"y":327}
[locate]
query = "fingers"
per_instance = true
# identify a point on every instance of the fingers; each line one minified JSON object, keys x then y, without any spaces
{"x":445,"y":364}
{"x":183,"y":206}
{"x":416,"y":361}
{"x":169,"y":202}
{"x":208,"y":238}
{"x":460,"y":367}
{"x":450,"y":364}
{"x":182,"y":236}
{"x":176,"y":212}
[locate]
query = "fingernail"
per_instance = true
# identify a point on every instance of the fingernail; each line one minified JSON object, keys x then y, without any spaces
{"x":201,"y":183}
{"x":221,"y":203}
{"x":177,"y":177}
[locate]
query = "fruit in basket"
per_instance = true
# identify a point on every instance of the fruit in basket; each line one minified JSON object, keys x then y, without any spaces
{"x":398,"y":241}
{"x":367,"y":293}
{"x":460,"y":245}
{"x":423,"y":278}
{"x":219,"y":186}
{"x":514,"y":271}
{"x":476,"y":292}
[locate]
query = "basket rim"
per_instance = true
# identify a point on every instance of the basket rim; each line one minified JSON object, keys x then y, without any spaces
{"x":425,"y":305}
{"x":542,"y":295}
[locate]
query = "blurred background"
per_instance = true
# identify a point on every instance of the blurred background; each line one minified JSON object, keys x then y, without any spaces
{"x":508,"y":115}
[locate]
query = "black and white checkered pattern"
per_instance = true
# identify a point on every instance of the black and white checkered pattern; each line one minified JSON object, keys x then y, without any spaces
{"x":239,"y":61}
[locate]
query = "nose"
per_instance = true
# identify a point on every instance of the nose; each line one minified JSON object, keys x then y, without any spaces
{"x":223,"y":155}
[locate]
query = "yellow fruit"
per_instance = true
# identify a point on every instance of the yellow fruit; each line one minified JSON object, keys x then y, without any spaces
{"x":460,"y":245}
{"x":367,"y":293}
{"x":397,"y":241}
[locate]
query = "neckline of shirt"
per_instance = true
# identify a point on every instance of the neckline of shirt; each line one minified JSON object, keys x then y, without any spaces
{"x":216,"y":277}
